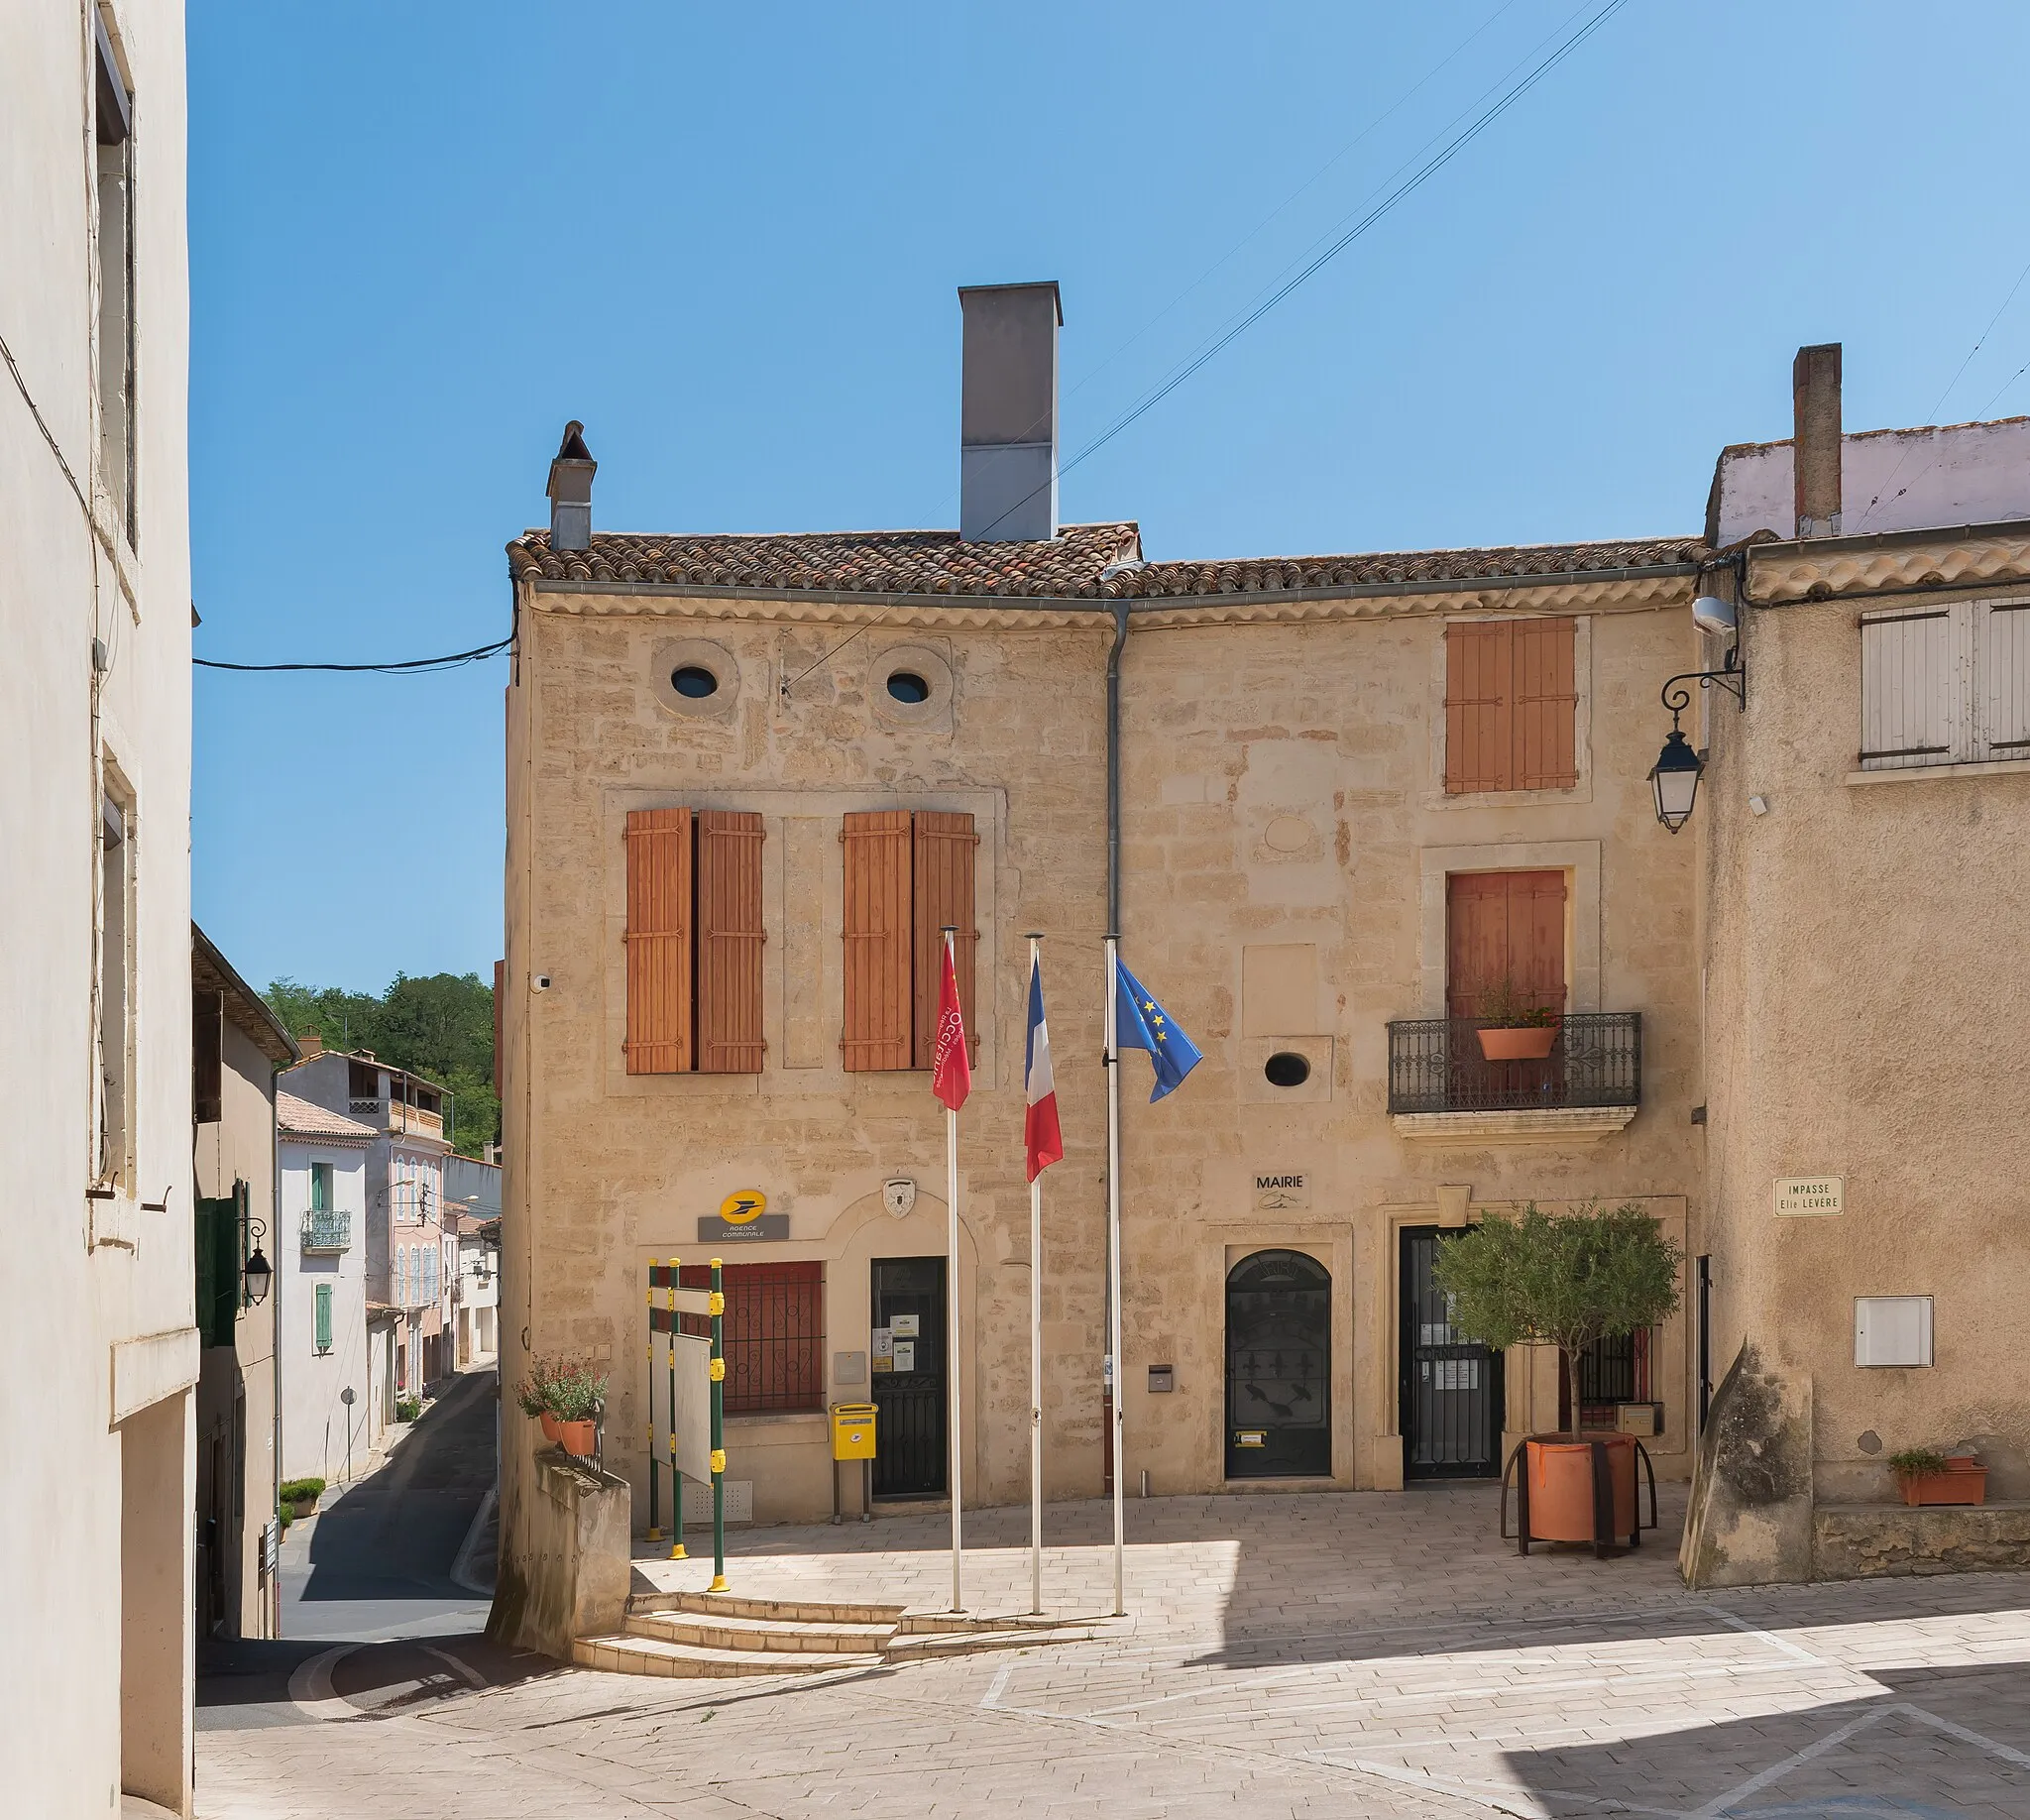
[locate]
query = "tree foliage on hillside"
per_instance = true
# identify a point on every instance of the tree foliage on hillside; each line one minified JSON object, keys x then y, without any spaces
{"x":440,"y":1026}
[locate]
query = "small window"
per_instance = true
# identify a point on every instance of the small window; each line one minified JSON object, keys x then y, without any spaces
{"x":774,"y":1335}
{"x":323,"y":1317}
{"x":1287,"y":1068}
{"x":907,"y":687}
{"x":320,"y":1188}
{"x":207,"y":1058}
{"x":115,"y":1034}
{"x":1511,"y":706}
{"x":694,"y":682}
{"x":1944,"y":685}
{"x":113,"y":256}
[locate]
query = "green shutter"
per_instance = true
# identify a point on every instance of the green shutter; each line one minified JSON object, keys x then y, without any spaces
{"x":323,"y":1317}
{"x":219,"y":1238}
{"x":320,"y":1188}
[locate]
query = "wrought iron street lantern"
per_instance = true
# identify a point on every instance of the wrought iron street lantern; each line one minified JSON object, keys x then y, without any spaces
{"x":256,"y":1273}
{"x":1674,"y":777}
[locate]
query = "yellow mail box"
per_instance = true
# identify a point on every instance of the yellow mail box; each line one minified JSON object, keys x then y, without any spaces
{"x":852,"y":1431}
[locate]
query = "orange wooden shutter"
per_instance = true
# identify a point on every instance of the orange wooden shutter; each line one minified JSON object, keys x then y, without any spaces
{"x":1503,"y":926}
{"x":877,"y":941}
{"x":1478,"y":719}
{"x":1547,"y":702}
{"x":659,"y":941}
{"x":729,"y":940}
{"x":945,"y":849}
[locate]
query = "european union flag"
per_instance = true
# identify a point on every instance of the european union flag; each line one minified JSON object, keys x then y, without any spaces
{"x":1141,"y":1023}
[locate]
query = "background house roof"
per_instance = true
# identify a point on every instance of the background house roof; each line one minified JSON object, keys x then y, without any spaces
{"x":300,"y":1118}
{"x":1087,"y":561}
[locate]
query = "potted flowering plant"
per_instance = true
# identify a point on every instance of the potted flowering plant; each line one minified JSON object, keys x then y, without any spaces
{"x":533,"y":1394}
{"x":577,"y":1395}
{"x":1924,"y":1475}
{"x":1513,"y":1027}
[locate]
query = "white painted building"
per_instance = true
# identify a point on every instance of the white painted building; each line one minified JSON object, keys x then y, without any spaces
{"x":472,"y":1191}
{"x":99,"y":1340}
{"x":321,"y":1283}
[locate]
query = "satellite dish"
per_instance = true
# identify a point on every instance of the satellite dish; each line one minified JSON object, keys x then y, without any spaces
{"x":1711,"y":613}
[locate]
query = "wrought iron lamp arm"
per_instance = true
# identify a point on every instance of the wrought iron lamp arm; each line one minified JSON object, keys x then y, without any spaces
{"x":1733,"y":676}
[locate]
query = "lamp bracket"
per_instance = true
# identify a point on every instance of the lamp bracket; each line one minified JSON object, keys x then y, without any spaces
{"x":1733,"y":676}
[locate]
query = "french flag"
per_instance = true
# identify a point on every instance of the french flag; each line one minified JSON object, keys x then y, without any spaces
{"x":1040,"y":1136}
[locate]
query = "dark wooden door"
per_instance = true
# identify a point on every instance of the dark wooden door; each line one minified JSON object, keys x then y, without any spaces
{"x":1279,"y":1367}
{"x":1451,"y":1388}
{"x":910,"y":1406}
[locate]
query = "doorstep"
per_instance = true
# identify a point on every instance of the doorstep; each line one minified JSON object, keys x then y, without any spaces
{"x":1856,"y":1541}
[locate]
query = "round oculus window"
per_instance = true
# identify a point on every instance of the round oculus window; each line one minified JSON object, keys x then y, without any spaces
{"x":694,"y":681}
{"x":1287,"y":1068}
{"x":908,"y":688}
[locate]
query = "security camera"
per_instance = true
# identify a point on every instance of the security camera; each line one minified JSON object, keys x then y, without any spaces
{"x":541,"y":982}
{"x":1711,"y":613}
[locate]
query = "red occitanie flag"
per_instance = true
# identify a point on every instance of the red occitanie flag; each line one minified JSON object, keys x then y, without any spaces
{"x":951,"y":1064}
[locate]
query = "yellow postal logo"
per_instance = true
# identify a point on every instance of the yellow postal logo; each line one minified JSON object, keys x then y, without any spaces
{"x":748,"y":1204}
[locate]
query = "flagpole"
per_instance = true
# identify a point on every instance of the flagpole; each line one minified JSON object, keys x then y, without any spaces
{"x":952,"y":1342}
{"x":1113,"y":1259}
{"x":1035,"y":1361}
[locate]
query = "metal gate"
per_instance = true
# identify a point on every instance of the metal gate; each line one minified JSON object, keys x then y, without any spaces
{"x":1451,"y":1388}
{"x":1279,"y":1367}
{"x":909,"y":1461}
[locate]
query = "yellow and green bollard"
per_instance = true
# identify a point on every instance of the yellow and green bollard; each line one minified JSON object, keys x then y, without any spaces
{"x":676,"y":1472}
{"x":716,"y":1308}
{"x":655,"y":1517}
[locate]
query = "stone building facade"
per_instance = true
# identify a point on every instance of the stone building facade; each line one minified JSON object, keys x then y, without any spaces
{"x":1354,"y":793}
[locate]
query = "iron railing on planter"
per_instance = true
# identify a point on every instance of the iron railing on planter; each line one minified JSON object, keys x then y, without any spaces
{"x":1436,"y":1065}
{"x":328,"y":1231}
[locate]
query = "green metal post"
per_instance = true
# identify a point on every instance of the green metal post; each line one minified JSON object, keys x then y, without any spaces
{"x":676,"y":1472}
{"x":655,"y":1517}
{"x":718,"y":1307}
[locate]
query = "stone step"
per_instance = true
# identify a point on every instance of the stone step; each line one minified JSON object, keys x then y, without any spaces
{"x":933,"y":1645}
{"x":773,"y":1636}
{"x":628,"y":1655}
{"x":925,"y":1623}
{"x":786,"y":1611}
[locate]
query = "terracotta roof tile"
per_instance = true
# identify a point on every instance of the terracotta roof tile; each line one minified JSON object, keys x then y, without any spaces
{"x":300,"y":1118}
{"x":840,"y":562}
{"x":1071,"y":568}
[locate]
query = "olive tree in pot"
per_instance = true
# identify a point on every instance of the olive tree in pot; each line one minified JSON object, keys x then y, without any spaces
{"x":1565,"y":1281}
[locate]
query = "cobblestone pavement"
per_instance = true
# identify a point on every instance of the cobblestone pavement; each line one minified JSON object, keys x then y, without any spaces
{"x":1363,"y":1654}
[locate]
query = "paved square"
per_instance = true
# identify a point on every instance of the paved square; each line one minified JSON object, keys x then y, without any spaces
{"x":1366,"y":1653}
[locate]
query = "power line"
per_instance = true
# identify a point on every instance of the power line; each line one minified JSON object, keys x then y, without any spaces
{"x":413,"y":666}
{"x":1339,"y":245}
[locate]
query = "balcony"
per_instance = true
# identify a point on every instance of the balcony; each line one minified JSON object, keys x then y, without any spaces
{"x":396,"y":1118}
{"x":1443,"y":1090}
{"x":328,"y":1231}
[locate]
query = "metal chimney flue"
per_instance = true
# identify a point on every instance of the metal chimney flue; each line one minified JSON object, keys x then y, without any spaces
{"x":1008,"y":416}
{"x":570,"y":492}
{"x":1815,"y":442}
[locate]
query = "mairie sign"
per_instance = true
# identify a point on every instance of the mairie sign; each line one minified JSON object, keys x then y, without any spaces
{"x":742,"y":1217}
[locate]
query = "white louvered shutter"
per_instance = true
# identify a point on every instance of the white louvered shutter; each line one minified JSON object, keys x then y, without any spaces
{"x":1913,"y":694}
{"x":2002,"y":727}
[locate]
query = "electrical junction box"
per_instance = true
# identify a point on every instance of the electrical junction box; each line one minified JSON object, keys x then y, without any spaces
{"x":1893,"y":1329}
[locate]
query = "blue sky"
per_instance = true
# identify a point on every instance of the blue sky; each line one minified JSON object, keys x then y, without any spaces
{"x":728,"y":239}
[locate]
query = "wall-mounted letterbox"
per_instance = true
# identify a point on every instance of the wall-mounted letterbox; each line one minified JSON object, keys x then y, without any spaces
{"x":1893,"y":1329}
{"x":1161,"y":1378}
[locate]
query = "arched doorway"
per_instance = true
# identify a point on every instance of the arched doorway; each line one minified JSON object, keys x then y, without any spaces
{"x":1279,"y":1367}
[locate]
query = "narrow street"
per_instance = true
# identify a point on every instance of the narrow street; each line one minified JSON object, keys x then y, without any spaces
{"x":385,"y":1591}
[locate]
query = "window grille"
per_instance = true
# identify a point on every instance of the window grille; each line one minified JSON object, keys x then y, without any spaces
{"x":774,"y":1335}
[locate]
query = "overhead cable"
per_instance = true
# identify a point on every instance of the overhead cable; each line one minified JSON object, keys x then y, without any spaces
{"x":413,"y":666}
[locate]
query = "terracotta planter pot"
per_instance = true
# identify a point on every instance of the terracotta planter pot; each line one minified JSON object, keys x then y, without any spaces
{"x":303,"y":1506}
{"x":1560,"y":1473}
{"x":1533,"y":1044}
{"x":580,"y":1438}
{"x":1962,"y":1482}
{"x":549,"y":1423}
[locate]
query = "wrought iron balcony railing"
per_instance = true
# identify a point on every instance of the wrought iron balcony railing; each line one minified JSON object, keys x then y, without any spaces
{"x":328,"y":1231}
{"x":1436,"y":1066}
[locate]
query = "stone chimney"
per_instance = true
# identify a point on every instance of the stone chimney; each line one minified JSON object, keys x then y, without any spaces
{"x":1008,"y":413}
{"x":1815,"y":442}
{"x":570,"y":492}
{"x":312,"y":1045}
